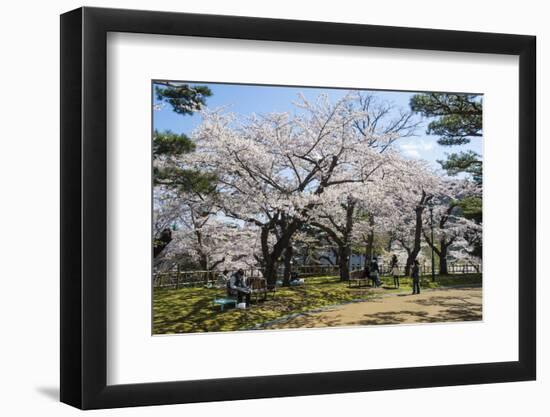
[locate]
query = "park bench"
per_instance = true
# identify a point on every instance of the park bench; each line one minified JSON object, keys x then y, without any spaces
{"x":258,"y":286}
{"x":223,"y":301}
{"x":357,"y":280}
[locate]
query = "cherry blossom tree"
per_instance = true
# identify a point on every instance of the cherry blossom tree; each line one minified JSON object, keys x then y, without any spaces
{"x":450,"y":226}
{"x":282,"y":187}
{"x":382,"y":117}
{"x":165,"y":215}
{"x":198,"y":232}
{"x":335,"y":217}
{"x":216,"y":244}
{"x":378,"y":213}
{"x":462,"y":252}
{"x":344,"y":207}
{"x":273,"y":169}
{"x":309,"y":245}
{"x":414,"y":191}
{"x":336,"y":214}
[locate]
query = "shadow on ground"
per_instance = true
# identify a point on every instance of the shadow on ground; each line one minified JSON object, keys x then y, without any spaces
{"x":190,"y":310}
{"x":429,"y":309}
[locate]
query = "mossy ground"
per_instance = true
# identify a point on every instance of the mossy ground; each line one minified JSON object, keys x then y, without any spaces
{"x":190,"y":310}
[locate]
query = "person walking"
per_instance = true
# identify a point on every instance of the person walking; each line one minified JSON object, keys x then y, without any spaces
{"x":394,"y":265}
{"x":416,"y":277}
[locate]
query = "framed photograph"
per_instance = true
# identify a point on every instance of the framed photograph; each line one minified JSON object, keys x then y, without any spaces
{"x":257,"y":208}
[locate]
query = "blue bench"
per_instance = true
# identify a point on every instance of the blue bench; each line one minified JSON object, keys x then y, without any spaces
{"x":225,"y":301}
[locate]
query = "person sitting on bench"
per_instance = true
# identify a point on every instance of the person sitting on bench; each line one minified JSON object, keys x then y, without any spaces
{"x":223,"y":279}
{"x":295,"y":279}
{"x":236,"y":286}
{"x":366,"y":272}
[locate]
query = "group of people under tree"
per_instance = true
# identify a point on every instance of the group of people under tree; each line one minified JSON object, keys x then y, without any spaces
{"x":237,"y":285}
{"x":372,"y":272}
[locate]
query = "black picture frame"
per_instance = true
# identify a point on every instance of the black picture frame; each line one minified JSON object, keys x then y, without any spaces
{"x":84,"y":207}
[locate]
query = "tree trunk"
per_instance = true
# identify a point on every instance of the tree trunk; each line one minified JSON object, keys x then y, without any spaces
{"x":203,"y":262}
{"x":271,"y":258}
{"x":269,"y":263}
{"x":288,"y":265}
{"x":416,"y":247}
{"x":417,"y":233}
{"x":370,"y":248}
{"x":341,"y":236}
{"x":270,"y":271}
{"x":345,"y":253}
{"x":367,"y":260}
{"x":443,"y":269}
{"x":346,"y":248}
{"x":203,"y":258}
{"x":161,"y":242}
{"x":408,"y":264}
{"x":213,"y":265}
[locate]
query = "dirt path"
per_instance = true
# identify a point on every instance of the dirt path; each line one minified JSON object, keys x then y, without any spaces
{"x":441,"y":305}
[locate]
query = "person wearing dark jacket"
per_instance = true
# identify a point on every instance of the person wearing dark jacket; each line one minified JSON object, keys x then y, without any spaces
{"x":366,"y":272}
{"x":375,"y":273}
{"x":236,"y":286}
{"x":416,"y":277}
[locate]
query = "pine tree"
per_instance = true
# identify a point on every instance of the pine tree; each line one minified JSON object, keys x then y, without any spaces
{"x":167,"y":146}
{"x":183,"y":98}
{"x":457,"y":119}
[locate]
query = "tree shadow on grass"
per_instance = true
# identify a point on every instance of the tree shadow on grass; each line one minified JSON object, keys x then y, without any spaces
{"x":389,"y":287}
{"x":181,"y":316}
{"x":192,"y":310}
{"x":306,"y":320}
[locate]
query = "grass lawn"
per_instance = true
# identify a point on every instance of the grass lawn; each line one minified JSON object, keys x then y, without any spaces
{"x":190,"y":310}
{"x":441,"y":281}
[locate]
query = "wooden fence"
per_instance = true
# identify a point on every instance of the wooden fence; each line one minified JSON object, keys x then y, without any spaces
{"x":426,"y":269}
{"x":177,"y":278}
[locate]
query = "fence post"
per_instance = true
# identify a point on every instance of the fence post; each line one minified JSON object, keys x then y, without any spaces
{"x":177,"y":276}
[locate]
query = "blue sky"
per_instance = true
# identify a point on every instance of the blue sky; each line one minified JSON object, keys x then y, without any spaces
{"x":247,"y":99}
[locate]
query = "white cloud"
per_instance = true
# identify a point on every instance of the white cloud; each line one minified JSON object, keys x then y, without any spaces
{"x":415,"y":148}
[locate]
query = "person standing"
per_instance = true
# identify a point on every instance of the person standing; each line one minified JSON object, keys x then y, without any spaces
{"x":395,"y":270}
{"x":416,"y":277}
{"x":375,"y":273}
